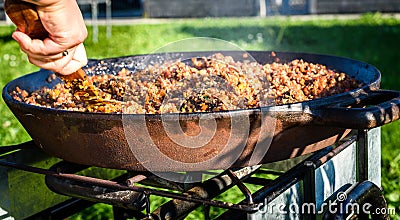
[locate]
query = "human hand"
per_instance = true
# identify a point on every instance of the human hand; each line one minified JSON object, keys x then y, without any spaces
{"x":62,"y":51}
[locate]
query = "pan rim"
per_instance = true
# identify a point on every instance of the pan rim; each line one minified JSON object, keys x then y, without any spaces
{"x":374,"y":85}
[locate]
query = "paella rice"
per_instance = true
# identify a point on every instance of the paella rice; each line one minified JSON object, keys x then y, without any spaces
{"x":204,"y":84}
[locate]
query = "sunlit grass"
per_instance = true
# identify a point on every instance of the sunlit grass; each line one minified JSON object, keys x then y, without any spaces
{"x":371,"y":38}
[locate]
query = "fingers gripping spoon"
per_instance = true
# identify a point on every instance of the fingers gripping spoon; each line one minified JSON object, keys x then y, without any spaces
{"x":26,"y":18}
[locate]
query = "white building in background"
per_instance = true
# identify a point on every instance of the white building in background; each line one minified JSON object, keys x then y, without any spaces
{"x":222,"y":8}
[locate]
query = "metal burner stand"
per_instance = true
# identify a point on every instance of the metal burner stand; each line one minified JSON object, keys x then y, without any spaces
{"x":350,"y":168}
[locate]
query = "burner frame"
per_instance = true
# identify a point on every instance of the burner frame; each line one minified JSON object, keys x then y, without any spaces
{"x":368,"y":155}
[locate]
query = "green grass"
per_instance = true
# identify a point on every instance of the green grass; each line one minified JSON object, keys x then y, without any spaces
{"x":372,"y":38}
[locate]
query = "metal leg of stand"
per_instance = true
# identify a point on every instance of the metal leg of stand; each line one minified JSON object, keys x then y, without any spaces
{"x":95,"y":36}
{"x":369,"y":156}
{"x":108,"y":18}
{"x":309,"y":189}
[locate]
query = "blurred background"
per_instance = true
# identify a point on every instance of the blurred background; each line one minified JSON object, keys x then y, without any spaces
{"x":366,"y":30}
{"x":229,"y":8}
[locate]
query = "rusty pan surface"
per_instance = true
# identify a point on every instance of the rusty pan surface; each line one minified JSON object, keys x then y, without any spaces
{"x":233,"y":138}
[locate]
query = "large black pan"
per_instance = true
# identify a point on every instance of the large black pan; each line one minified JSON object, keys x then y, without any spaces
{"x":234,"y":138}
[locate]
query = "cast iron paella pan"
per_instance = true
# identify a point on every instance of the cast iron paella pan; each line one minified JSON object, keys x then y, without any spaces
{"x":235,"y":138}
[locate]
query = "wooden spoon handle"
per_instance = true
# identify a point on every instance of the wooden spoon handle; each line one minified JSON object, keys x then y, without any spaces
{"x":25,"y":16}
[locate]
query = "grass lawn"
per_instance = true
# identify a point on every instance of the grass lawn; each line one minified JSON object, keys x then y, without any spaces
{"x":372,"y":38}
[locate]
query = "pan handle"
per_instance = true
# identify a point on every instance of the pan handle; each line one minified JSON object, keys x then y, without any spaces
{"x":383,"y":107}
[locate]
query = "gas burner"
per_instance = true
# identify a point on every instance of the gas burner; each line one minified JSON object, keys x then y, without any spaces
{"x":339,"y":175}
